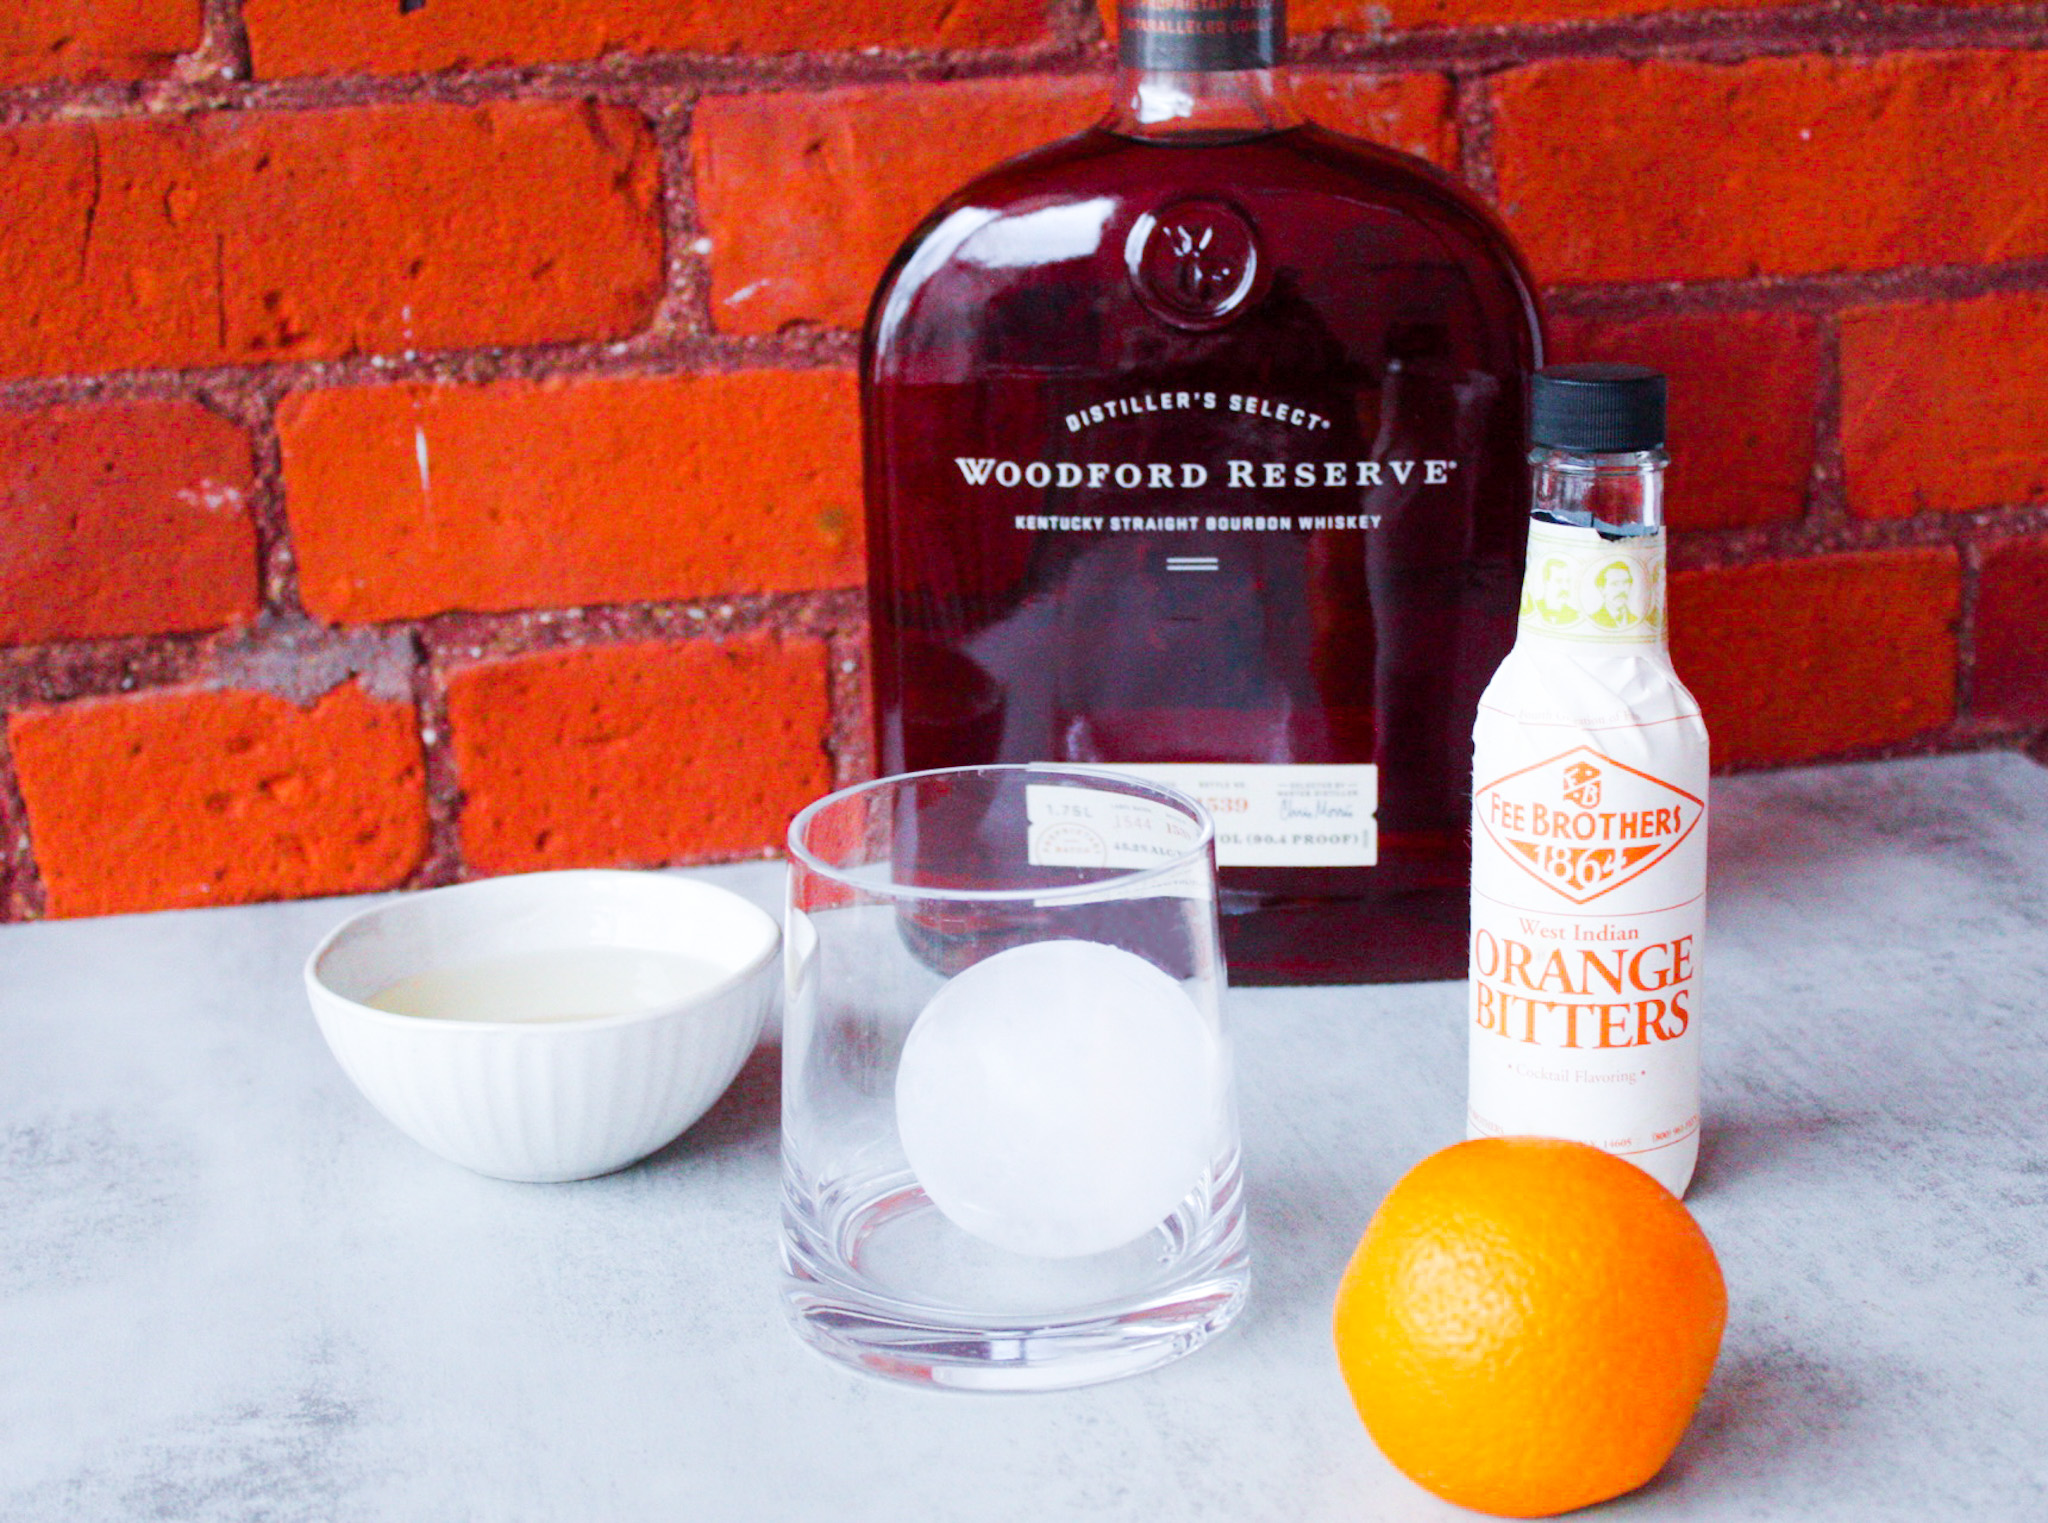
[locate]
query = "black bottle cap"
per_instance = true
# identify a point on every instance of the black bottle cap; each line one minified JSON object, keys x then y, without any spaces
{"x":1597,"y":409}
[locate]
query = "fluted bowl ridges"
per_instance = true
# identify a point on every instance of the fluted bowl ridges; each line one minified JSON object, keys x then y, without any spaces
{"x":556,"y":1100}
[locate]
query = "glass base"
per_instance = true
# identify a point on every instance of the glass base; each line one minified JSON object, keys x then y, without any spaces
{"x":878,"y":1279}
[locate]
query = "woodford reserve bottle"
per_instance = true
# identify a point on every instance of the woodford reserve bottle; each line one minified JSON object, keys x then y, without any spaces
{"x":1193,"y":446}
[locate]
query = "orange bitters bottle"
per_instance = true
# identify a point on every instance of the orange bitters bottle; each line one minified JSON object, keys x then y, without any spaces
{"x":1589,"y":831}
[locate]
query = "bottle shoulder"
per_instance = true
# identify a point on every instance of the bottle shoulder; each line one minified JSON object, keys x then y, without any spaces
{"x":1307,"y":158}
{"x":1552,"y":684}
{"x":1341,"y":211}
{"x":1422,"y":189}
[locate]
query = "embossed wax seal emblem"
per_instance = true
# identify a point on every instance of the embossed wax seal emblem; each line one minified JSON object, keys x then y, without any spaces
{"x":1195,"y":263}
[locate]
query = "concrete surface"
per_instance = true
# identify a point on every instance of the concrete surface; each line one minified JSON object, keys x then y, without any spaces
{"x":228,"y":1290}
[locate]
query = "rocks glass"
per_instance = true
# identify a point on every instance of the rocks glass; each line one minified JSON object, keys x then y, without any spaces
{"x":1009,"y":1144}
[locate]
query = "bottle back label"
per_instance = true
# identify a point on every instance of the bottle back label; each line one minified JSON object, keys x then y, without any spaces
{"x":1278,"y":815}
{"x":1088,"y":827}
{"x":1589,"y":871}
{"x":1201,"y":36}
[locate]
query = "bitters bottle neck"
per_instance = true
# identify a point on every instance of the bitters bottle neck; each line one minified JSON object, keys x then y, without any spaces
{"x":1621,"y":494}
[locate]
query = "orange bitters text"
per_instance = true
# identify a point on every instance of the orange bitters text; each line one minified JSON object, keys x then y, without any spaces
{"x":1659,"y":972}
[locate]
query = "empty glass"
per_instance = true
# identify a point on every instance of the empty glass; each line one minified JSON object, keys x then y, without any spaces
{"x":1009,"y":1144}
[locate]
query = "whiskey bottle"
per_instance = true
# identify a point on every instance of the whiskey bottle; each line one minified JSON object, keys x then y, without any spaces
{"x":1193,"y":448}
{"x":1589,"y":822}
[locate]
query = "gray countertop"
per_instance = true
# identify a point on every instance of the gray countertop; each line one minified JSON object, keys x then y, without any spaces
{"x":229,"y":1290}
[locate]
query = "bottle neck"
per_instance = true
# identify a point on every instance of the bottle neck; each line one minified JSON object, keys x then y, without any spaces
{"x":1595,"y":574}
{"x":1200,"y":70}
{"x":1200,"y":106}
{"x":1623,"y":492}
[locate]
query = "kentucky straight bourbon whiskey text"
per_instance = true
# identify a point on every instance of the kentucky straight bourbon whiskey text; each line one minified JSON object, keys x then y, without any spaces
{"x":1589,"y":811}
{"x":1193,"y":447}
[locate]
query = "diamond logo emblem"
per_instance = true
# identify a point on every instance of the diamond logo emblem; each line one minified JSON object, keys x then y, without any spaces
{"x":1583,"y":824}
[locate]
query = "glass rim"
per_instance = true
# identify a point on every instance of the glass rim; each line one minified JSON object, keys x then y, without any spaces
{"x":1119,"y":881}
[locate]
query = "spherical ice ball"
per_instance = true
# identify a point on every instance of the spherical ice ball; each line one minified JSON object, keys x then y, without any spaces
{"x":1060,"y":1098}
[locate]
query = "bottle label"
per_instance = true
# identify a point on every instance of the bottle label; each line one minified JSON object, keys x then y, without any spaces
{"x":1588,"y":886}
{"x":1265,"y":816}
{"x":1201,"y":36}
{"x":1281,"y":816}
{"x":1584,"y":587}
{"x":1096,"y":827}
{"x":1584,"y":1027}
{"x":1254,"y":576}
{"x":1583,"y":825}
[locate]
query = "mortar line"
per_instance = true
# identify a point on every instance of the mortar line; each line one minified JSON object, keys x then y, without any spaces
{"x":250,"y":402}
{"x":227,"y":38}
{"x":685,"y":309}
{"x":1708,"y":36}
{"x":1823,"y":291}
{"x":655,"y":351}
{"x":22,"y":894}
{"x":1971,"y":554}
{"x":1796,"y":540}
{"x":442,"y":862}
{"x":1827,"y":501}
{"x":1472,"y":110}
{"x":649,"y":354}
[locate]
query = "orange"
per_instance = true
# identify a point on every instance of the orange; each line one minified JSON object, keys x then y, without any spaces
{"x":1528,"y":1324}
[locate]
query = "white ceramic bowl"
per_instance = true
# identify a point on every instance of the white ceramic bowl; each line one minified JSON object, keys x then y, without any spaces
{"x":546,"y":1100}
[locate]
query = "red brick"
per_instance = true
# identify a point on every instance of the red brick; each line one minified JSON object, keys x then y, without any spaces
{"x":2011,"y":679}
{"x":75,"y":41}
{"x":189,"y":797}
{"x":1803,"y":659}
{"x":413,"y":500}
{"x":240,"y":237}
{"x":1613,"y":170}
{"x":1744,"y":386}
{"x":1374,"y":17}
{"x":380,"y":37}
{"x":1411,"y":112}
{"x":638,"y":754}
{"x":806,"y":196}
{"x":128,"y":519}
{"x":1945,"y":405}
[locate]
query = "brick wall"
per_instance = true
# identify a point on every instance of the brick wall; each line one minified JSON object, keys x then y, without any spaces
{"x":427,"y":436}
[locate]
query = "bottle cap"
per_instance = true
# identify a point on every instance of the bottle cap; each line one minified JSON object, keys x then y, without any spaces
{"x":1597,"y":409}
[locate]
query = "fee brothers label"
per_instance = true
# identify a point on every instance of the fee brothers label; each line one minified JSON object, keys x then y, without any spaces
{"x":1582,"y":828}
{"x":1584,"y":825}
{"x":1589,"y":874}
